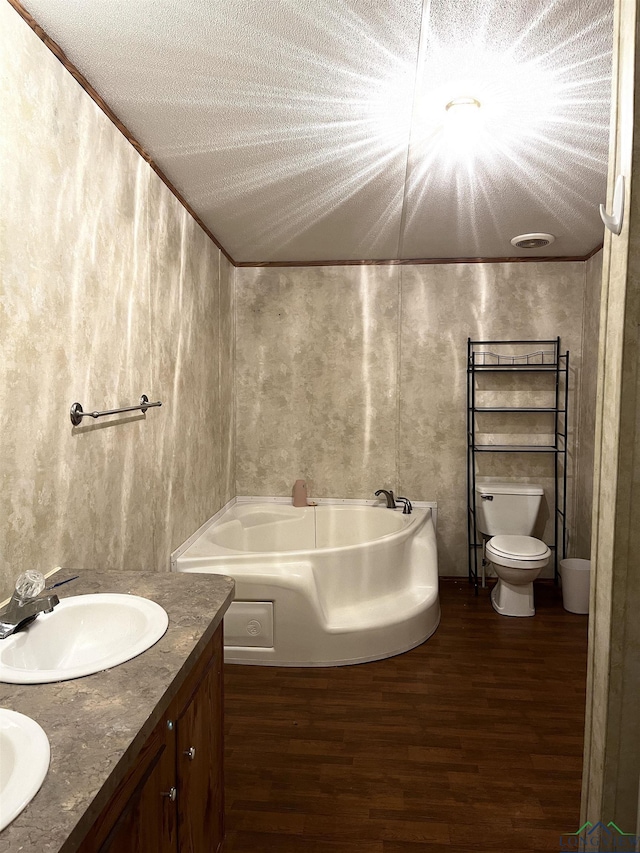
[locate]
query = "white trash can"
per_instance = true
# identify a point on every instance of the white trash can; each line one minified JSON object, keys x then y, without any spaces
{"x":575,"y":575}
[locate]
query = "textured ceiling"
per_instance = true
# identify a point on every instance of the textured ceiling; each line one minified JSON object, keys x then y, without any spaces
{"x":310,"y":130}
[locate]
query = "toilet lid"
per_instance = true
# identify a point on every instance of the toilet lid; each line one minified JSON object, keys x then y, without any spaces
{"x":524,"y":547}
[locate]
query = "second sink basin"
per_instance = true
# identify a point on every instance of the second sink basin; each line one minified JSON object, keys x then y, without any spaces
{"x":83,"y":635}
{"x":24,"y":761}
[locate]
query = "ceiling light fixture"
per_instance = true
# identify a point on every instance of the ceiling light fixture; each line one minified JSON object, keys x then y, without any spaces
{"x":463,"y":127}
{"x":463,"y":102}
{"x":532,"y":241}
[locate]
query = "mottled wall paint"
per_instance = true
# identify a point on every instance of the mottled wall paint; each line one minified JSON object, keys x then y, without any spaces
{"x":354,"y":377}
{"x":317,"y":366}
{"x":109,"y":290}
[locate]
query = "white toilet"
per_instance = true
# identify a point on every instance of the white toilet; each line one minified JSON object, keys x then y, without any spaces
{"x":506,"y":514}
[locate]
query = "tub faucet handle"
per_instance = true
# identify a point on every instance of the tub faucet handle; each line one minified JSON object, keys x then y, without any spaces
{"x":391,"y":503}
{"x":407,"y":507}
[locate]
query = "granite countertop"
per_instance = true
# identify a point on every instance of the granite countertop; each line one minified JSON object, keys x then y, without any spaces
{"x":97,"y":724}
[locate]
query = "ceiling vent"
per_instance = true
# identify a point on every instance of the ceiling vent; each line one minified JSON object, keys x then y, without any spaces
{"x":532,"y":241}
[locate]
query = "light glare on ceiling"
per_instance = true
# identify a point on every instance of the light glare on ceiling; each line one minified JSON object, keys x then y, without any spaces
{"x":468,"y":136}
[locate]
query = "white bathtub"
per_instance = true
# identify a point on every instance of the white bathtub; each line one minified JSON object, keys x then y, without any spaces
{"x":322,"y":586}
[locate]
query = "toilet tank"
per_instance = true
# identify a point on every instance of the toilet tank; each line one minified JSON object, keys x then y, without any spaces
{"x":507,"y":508}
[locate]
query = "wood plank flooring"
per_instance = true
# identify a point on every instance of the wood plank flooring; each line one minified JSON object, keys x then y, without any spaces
{"x":471,"y":742}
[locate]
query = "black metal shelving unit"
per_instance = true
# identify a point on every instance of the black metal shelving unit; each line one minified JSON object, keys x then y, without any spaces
{"x":519,"y":357}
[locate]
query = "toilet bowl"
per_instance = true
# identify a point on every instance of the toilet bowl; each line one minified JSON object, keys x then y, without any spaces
{"x":518,"y":560}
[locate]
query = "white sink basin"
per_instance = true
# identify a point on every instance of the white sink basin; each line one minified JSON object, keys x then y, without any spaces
{"x":83,"y":635}
{"x":24,"y":761}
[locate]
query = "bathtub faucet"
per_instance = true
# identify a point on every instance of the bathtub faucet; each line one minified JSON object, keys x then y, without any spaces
{"x":391,"y":504}
{"x":407,"y":507}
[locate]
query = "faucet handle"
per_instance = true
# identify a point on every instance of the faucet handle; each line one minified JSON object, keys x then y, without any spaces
{"x":408,"y":507}
{"x":29,"y":585}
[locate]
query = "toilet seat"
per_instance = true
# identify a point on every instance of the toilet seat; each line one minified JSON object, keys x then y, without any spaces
{"x":517,"y":552}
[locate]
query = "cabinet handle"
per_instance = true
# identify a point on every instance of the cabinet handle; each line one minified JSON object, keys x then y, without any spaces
{"x":172,"y":793}
{"x":190,"y":753}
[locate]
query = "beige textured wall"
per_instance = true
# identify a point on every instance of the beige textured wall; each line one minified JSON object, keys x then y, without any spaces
{"x":109,"y":290}
{"x":317,"y":364}
{"x":354,"y":377}
{"x":580,"y":546}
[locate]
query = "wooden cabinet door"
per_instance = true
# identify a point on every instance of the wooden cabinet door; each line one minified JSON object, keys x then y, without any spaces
{"x":199,"y":762}
{"x":140,"y":817}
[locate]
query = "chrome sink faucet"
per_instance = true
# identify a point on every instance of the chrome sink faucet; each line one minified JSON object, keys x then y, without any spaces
{"x":25,"y":604}
{"x":391,"y":504}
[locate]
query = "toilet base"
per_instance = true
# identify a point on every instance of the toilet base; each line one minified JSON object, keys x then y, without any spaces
{"x":513,"y":600}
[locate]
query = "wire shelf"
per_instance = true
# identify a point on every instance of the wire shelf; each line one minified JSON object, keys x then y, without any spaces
{"x":525,"y":357}
{"x":486,"y":358}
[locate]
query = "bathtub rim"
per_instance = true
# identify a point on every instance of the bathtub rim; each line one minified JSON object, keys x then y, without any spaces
{"x":249,"y":499}
{"x":301,"y":553}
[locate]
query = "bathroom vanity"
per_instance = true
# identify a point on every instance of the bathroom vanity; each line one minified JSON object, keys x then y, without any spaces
{"x":136,"y":751}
